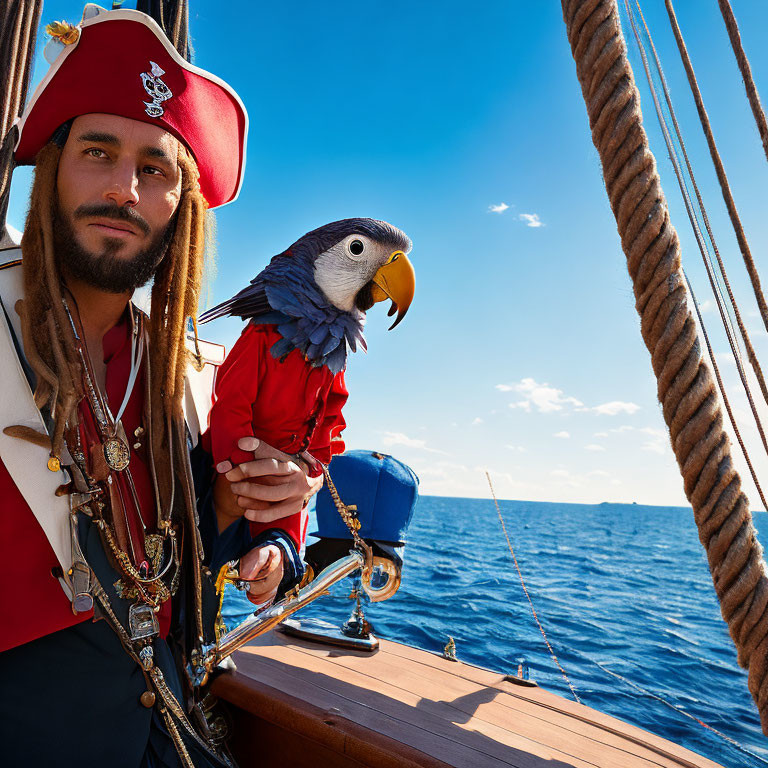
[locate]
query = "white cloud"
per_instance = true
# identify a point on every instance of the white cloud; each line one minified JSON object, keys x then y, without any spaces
{"x":542,"y":397}
{"x":441,"y":470}
{"x":565,"y":477}
{"x":658,"y":442}
{"x":500,"y":208}
{"x":593,"y":447}
{"x":517,"y":448}
{"x":477,"y":420}
{"x":600,"y":434}
{"x":531,"y":219}
{"x":398,"y":438}
{"x":616,"y":407}
{"x":565,"y":435}
{"x":547,"y":399}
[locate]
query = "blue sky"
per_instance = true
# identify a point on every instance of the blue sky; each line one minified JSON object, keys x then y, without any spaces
{"x":521,"y":353}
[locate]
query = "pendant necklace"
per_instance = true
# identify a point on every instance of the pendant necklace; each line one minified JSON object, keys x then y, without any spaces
{"x":115,"y":454}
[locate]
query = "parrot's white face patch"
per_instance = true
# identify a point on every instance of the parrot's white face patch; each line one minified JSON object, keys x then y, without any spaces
{"x":347,"y":267}
{"x":157,"y":90}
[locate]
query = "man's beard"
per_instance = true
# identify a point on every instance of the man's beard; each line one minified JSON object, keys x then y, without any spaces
{"x":107,"y":271}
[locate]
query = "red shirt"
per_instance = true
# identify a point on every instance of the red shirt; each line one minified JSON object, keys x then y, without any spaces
{"x":289,"y":404}
{"x":32,"y":603}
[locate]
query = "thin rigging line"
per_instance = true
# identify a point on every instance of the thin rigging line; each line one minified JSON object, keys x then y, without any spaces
{"x":681,"y":711}
{"x":694,"y":223}
{"x":726,"y":403}
{"x":525,"y":590}
{"x":746,"y":71}
{"x":719,"y":169}
{"x":702,"y":208}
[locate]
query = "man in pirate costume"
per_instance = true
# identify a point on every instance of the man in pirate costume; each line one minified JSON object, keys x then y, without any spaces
{"x":101,"y":564}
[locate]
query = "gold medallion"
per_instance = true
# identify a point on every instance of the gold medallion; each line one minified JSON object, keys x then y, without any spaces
{"x":54,"y":464}
{"x":117,"y":454}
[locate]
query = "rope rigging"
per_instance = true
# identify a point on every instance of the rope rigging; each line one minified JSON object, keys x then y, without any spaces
{"x":723,"y":393}
{"x":527,"y":594}
{"x":18,"y":29}
{"x":681,"y":711}
{"x":703,"y":249}
{"x":722,"y":178}
{"x":746,"y":72}
{"x":686,"y":389}
{"x":599,"y":664}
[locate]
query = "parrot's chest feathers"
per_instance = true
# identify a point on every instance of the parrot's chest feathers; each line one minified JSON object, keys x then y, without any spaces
{"x":323,"y":336}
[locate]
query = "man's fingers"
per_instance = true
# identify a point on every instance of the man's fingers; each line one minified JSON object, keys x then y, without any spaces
{"x":272,"y":493}
{"x":263,"y":569}
{"x":261,"y":450}
{"x":223,"y":466}
{"x":253,"y":562}
{"x":260,"y":468}
{"x":274,"y":512}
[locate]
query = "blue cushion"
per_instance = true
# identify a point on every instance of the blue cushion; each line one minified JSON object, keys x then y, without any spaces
{"x":385,"y":492}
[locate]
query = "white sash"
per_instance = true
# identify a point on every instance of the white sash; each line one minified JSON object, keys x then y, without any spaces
{"x":25,"y":462}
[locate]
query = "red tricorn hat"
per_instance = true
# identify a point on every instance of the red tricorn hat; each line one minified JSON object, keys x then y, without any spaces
{"x":123,"y":64}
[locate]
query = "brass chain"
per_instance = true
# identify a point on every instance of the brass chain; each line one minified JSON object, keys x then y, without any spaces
{"x":352,"y":523}
{"x":153,"y":597}
{"x":345,"y":510}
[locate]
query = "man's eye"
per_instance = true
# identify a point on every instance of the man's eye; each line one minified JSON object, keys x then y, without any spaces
{"x":95,"y":152}
{"x":152,"y":171}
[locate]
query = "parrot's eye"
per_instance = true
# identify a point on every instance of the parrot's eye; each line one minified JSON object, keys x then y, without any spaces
{"x":356,"y":247}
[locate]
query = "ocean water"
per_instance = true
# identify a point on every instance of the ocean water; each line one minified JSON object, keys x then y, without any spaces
{"x":624,"y":585}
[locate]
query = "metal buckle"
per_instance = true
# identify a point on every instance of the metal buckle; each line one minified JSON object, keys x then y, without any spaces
{"x":142,"y":623}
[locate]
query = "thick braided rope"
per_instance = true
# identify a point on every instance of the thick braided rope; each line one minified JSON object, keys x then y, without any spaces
{"x":18,"y":29}
{"x":685,"y":386}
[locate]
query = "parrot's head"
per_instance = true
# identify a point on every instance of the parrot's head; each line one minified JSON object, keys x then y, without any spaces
{"x":358,"y":262}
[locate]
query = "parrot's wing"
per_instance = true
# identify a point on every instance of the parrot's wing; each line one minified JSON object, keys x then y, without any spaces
{"x":252,"y":301}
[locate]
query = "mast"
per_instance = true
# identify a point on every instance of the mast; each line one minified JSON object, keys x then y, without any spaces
{"x":18,"y":30}
{"x":686,"y":389}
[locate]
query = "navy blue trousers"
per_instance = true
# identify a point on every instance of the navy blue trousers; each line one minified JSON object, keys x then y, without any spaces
{"x":72,"y":698}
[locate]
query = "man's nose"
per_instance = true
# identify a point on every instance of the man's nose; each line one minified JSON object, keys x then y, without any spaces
{"x":123,"y":187}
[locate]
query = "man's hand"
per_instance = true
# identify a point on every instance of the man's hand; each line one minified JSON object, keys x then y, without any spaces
{"x":263,"y":568}
{"x":269,"y":488}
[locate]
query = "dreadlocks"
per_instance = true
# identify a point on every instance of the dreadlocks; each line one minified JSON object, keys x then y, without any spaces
{"x":49,"y":341}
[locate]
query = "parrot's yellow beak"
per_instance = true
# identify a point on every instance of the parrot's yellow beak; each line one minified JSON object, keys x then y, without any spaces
{"x":396,"y":280}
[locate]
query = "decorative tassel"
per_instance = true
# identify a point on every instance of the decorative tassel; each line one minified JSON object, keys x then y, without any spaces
{"x":63,"y":31}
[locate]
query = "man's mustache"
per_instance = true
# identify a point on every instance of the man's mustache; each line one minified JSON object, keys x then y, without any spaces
{"x":116,"y":212}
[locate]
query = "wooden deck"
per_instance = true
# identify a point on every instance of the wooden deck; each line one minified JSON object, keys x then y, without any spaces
{"x":303,"y":705}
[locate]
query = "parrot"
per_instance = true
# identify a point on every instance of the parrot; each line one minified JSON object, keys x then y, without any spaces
{"x":283,"y":380}
{"x":317,"y":291}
